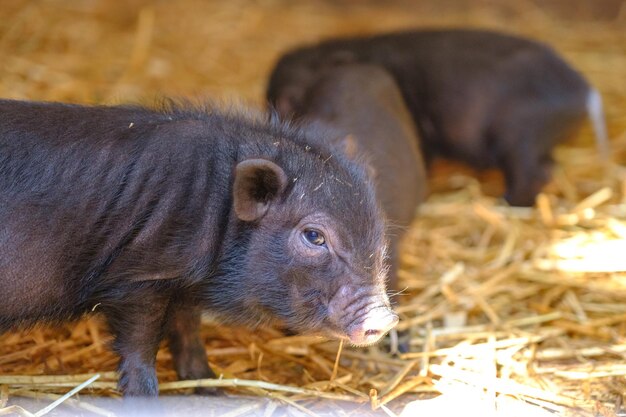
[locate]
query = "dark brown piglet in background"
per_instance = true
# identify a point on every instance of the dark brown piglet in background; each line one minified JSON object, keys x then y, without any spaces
{"x":364,"y":104}
{"x":151,"y":216}
{"x":486,"y":98}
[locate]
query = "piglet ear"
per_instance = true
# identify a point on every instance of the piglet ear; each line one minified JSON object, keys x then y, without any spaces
{"x":350,"y":146}
{"x":351,"y":149}
{"x":257,"y":183}
{"x":285,"y":107}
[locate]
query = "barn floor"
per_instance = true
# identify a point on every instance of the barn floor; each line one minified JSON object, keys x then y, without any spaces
{"x":512,"y":311}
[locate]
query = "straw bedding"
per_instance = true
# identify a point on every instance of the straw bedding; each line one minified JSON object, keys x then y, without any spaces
{"x":509,"y":304}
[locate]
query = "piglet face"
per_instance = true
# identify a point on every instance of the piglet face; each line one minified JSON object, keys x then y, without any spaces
{"x":333,"y":289}
{"x":315,"y":254}
{"x":296,"y":73}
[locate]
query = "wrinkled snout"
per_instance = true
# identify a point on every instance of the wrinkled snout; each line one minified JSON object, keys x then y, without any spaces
{"x":362,"y":315}
{"x":374,"y":326}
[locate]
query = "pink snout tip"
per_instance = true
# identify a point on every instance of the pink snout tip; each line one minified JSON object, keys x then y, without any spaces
{"x":373,"y":327}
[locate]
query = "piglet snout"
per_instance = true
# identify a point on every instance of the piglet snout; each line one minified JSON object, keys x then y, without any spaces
{"x":361,"y":314}
{"x":374,"y":325}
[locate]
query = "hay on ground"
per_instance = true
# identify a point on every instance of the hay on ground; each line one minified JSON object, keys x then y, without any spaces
{"x":510,"y":304}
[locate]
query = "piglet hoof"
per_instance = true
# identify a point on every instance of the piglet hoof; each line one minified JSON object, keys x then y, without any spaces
{"x":139,"y":382}
{"x":519,"y":200}
{"x":205,"y":391}
{"x":202,"y":371}
{"x":208,"y":391}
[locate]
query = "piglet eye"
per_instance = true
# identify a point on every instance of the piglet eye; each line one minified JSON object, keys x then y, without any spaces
{"x":314,"y":237}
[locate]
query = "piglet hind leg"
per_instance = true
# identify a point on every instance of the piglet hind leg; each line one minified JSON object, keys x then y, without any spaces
{"x":188,"y":354}
{"x":526,"y":170}
{"x":524,"y":181}
{"x":137,"y":324}
{"x":524,"y":142}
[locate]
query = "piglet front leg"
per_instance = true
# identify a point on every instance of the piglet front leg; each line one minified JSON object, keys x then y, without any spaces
{"x":188,"y":354}
{"x":137,"y":321}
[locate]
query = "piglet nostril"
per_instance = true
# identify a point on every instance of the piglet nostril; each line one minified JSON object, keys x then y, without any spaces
{"x":376,"y":325}
{"x":371,"y":332}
